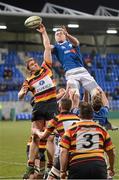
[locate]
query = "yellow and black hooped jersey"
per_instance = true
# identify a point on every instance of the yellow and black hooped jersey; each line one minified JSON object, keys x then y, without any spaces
{"x":42,"y":84}
{"x":62,"y":122}
{"x":41,"y":145}
{"x":86,"y":140}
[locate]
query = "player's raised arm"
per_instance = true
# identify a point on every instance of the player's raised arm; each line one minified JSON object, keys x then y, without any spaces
{"x":105,"y":101}
{"x":71,"y":38}
{"x":46,"y":43}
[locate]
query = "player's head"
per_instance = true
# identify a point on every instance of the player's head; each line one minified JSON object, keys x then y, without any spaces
{"x":60,"y":36}
{"x":32,"y":65}
{"x":65,"y":105}
{"x":86,"y":110}
{"x":97,"y":102}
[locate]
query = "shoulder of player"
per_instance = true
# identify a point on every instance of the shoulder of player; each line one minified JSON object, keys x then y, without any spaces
{"x":45,"y":65}
{"x":29,"y":78}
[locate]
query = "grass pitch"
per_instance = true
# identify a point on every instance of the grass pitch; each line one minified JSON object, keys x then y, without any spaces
{"x":13,"y":140}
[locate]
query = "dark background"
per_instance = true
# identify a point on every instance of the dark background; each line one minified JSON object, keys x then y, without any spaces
{"x":87,"y":6}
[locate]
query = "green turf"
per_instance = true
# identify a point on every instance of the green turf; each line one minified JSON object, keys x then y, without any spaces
{"x":13,"y":139}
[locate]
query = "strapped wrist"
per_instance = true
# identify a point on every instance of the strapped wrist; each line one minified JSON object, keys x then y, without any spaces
{"x":62,"y":171}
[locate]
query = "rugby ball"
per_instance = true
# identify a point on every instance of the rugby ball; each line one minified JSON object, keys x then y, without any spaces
{"x":33,"y":22}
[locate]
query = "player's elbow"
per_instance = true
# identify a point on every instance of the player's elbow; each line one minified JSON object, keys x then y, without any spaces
{"x":77,"y":43}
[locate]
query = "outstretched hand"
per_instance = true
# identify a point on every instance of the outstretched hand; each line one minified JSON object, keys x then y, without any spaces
{"x":64,"y":29}
{"x":41,"y":28}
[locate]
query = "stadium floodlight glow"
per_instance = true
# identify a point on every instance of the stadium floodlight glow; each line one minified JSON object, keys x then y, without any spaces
{"x":3,"y":26}
{"x":55,"y":29}
{"x":111,"y":31}
{"x":73,"y":25}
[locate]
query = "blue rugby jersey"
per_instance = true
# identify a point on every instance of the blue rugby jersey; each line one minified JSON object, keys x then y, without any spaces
{"x":69,"y":56}
{"x":101,"y":116}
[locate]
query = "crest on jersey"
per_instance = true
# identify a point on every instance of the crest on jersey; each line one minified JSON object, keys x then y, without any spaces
{"x":41,"y":82}
{"x":70,"y":45}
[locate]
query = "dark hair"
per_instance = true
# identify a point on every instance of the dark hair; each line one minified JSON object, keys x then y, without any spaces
{"x":97,"y":103}
{"x":66,"y":104}
{"x":86,"y":110}
{"x":28,"y":61}
{"x":59,"y":29}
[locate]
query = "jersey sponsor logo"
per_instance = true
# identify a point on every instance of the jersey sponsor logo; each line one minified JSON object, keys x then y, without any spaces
{"x":48,"y":86}
{"x":44,"y":84}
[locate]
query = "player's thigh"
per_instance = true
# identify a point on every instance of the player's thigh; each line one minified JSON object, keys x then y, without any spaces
{"x":73,"y":85}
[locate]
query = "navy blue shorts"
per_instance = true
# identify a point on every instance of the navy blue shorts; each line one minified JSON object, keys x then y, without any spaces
{"x":95,"y":169}
{"x":45,"y":110}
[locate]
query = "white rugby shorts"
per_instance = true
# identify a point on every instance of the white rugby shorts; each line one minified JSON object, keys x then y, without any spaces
{"x":80,"y":76}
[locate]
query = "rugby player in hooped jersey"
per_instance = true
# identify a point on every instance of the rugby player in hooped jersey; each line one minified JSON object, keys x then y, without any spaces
{"x":67,"y":51}
{"x":83,"y":148}
{"x":59,"y":123}
{"x":43,"y":88}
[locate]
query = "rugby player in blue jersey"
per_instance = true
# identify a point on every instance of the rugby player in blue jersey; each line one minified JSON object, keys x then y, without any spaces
{"x":100,"y":106}
{"x":67,"y":51}
{"x":101,"y":111}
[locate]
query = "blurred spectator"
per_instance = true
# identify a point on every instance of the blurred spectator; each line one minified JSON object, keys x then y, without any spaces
{"x":108,"y":76}
{"x":7,"y":73}
{"x":93,"y":74}
{"x":99,"y":65}
{"x":3,"y":87}
{"x":109,"y":70}
{"x":92,"y":54}
{"x":110,"y":62}
{"x":116,"y":62}
{"x":88,"y":62}
{"x":115,"y":94}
